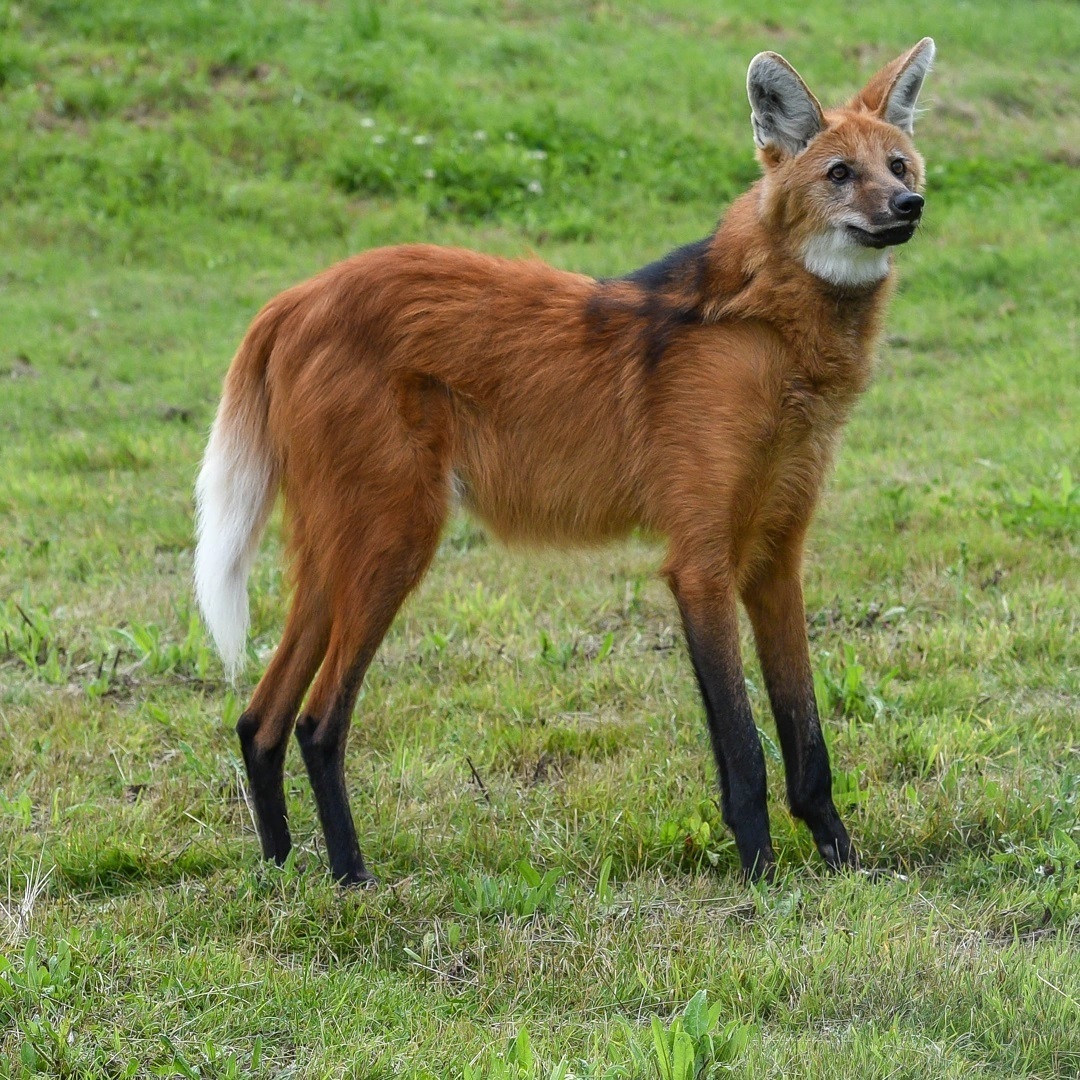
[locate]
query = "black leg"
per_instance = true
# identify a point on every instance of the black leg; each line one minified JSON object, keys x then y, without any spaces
{"x":322,"y":733}
{"x":323,"y":747}
{"x":809,"y":777}
{"x":712,"y":636}
{"x":775,"y":606}
{"x":265,"y":726}
{"x":265,"y":769}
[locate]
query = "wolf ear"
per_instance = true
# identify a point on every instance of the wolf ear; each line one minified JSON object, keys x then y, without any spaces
{"x":784,"y":113}
{"x":894,"y":90}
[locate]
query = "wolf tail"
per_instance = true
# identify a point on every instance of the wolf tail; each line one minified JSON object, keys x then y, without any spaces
{"x":235,"y":492}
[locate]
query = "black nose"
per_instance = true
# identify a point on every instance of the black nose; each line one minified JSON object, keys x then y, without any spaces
{"x":906,"y":205}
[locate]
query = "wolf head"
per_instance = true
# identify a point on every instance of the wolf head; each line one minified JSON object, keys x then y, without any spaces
{"x":844,"y":185}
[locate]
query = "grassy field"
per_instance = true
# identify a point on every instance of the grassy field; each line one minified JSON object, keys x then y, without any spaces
{"x":529,"y":766}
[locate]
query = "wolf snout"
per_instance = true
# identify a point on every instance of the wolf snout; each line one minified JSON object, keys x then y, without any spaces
{"x":907,"y":205}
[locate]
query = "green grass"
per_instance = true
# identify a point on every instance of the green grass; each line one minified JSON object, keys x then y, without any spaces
{"x":164,"y":169}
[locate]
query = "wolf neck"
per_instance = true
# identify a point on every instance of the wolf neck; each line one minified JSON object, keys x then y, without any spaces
{"x":830,"y":319}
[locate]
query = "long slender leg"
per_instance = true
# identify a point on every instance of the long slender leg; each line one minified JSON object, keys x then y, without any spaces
{"x":322,"y":733}
{"x":775,"y":606}
{"x":710,"y":620}
{"x":265,"y":726}
{"x":364,"y":609}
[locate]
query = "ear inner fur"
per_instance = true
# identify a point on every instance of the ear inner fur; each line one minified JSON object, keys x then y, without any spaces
{"x":893,"y":91}
{"x":784,"y":113}
{"x":898,"y":107}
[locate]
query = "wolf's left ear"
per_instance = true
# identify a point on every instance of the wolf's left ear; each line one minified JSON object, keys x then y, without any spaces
{"x":785,"y":115}
{"x":894,"y":90}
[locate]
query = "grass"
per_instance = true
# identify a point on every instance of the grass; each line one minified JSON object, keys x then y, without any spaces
{"x":528,"y":765}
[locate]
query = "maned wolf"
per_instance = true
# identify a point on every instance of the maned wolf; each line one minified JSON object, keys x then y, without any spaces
{"x":699,"y":398}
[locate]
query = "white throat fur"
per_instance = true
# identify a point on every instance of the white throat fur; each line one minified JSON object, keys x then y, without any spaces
{"x":835,"y":256}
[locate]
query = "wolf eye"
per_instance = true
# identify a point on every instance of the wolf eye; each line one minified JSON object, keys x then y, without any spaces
{"x":839,"y":173}
{"x":898,"y":167}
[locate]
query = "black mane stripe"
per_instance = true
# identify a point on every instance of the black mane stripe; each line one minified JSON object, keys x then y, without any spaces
{"x":671,"y":292}
{"x":685,"y":263}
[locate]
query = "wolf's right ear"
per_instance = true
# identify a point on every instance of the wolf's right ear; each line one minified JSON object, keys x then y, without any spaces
{"x":785,"y":115}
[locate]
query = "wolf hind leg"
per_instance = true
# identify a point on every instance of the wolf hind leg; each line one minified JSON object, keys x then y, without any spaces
{"x":381,"y":561}
{"x":266,"y":724}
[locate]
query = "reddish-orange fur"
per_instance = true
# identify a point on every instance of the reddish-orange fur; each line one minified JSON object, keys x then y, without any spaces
{"x":388,"y":380}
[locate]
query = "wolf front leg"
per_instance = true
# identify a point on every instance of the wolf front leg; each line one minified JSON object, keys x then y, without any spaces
{"x":774,"y":603}
{"x":710,"y":620}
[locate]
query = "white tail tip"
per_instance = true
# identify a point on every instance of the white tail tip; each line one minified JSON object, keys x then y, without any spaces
{"x":233,"y":497}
